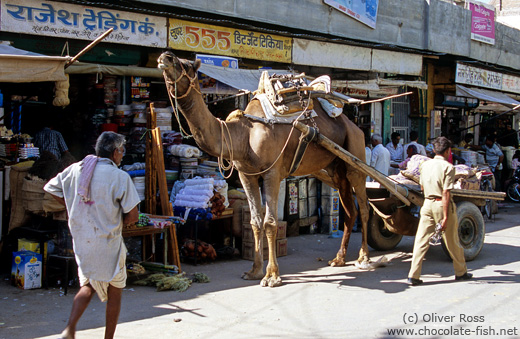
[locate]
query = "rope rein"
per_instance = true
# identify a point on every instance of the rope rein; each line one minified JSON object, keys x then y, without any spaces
{"x":193,"y":84}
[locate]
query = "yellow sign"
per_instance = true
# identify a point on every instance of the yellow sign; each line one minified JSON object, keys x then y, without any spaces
{"x":198,"y":37}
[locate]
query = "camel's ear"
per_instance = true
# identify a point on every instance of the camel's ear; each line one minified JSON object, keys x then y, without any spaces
{"x":196,"y":65}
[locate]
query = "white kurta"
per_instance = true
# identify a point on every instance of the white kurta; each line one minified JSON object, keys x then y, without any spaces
{"x":380,"y":159}
{"x":96,"y":229}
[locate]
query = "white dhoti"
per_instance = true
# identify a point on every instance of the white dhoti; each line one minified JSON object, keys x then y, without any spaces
{"x":101,"y":287}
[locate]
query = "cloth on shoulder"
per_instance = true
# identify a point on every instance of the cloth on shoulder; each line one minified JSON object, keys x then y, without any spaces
{"x":87,"y":171}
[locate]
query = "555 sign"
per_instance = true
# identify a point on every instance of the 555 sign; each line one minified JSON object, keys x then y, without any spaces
{"x":197,"y":37}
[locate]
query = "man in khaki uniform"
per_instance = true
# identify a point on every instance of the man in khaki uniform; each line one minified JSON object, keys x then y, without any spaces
{"x":437,"y":179}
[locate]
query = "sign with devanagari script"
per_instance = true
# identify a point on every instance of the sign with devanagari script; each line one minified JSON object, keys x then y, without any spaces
{"x":198,"y":37}
{"x":64,"y":20}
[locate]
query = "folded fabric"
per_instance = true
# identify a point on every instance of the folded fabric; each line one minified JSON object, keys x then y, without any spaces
{"x":87,"y":171}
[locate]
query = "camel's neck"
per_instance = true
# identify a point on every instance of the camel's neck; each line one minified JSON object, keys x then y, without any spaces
{"x":204,"y":126}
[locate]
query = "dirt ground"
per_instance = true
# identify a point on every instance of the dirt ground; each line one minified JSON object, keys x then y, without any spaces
{"x":315,"y":300}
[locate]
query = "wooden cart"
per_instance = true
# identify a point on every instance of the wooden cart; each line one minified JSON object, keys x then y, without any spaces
{"x":395,"y":206}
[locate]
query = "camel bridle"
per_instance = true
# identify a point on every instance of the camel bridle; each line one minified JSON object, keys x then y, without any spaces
{"x":193,"y":82}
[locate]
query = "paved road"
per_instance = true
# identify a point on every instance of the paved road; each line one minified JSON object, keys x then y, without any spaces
{"x":315,"y":301}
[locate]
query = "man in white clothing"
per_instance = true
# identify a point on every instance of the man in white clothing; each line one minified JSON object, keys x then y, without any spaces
{"x":395,"y":148}
{"x":100,"y":199}
{"x":414,"y":136}
{"x":380,"y":155}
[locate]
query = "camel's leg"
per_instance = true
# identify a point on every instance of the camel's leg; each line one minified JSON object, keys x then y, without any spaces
{"x":252,"y":190}
{"x":358,"y":182}
{"x":347,"y":200}
{"x":271,"y":189}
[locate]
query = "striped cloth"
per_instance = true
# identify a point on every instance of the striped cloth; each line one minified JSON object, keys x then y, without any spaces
{"x":87,"y":171}
{"x":51,"y":141}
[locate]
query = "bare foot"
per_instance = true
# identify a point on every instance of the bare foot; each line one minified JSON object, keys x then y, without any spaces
{"x":66,"y":334}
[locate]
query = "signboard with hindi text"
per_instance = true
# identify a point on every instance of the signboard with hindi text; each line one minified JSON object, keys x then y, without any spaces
{"x":476,"y":76}
{"x":199,"y":37}
{"x":58,"y":19}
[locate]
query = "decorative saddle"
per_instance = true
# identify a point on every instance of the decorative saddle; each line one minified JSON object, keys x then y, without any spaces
{"x":290,"y":94}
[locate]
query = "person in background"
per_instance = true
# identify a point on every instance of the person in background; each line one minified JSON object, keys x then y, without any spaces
{"x":395,"y":148}
{"x":50,"y":140}
{"x":380,"y":159}
{"x":368,"y":150}
{"x":510,"y":137}
{"x":430,"y":153}
{"x":437,"y":179}
{"x":100,"y":199}
{"x":414,"y":136}
{"x":494,"y":158}
{"x":515,"y":161}
{"x":468,"y":138}
{"x":412,"y":150}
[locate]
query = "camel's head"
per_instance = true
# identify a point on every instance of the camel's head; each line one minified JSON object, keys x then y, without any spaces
{"x":178,"y":72}
{"x":169,"y":63}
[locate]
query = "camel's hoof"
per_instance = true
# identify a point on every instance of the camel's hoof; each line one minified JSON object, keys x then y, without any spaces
{"x":337,"y":262}
{"x":275,"y":282}
{"x":252,"y":276}
{"x":271,"y":282}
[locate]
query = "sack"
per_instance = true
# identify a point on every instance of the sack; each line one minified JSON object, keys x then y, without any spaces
{"x":413,"y":168}
{"x":18,"y":215}
{"x":463,"y":171}
{"x":32,"y":195}
{"x":51,"y":205}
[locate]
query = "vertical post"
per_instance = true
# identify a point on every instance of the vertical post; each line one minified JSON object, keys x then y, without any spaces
{"x":166,"y":206}
{"x":151,"y":173}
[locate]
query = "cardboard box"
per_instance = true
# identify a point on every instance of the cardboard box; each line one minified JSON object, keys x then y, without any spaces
{"x":330,"y":224}
{"x":282,"y":230}
{"x":26,"y":271}
{"x":281,"y":247}
{"x":302,"y":188}
{"x":31,"y":245}
{"x":327,"y":190}
{"x":330,"y":205}
{"x":292,"y":188}
{"x":302,"y":208}
{"x":313,"y":206}
{"x":311,"y":187}
{"x":248,"y":250}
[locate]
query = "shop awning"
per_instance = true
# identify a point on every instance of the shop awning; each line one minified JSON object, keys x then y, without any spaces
{"x":486,"y":95}
{"x":86,"y":68}
{"x":378,"y":84}
{"x":246,"y":79}
{"x":17,"y":65}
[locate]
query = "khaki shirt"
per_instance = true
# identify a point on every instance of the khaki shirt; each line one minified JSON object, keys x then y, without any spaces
{"x":437,"y":175}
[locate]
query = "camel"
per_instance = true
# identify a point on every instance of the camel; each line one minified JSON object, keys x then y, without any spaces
{"x":254,"y":149}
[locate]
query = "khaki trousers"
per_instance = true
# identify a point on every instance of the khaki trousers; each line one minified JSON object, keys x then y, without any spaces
{"x":431,"y":214}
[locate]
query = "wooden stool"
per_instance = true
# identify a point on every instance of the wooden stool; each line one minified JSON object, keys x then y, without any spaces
{"x":55,"y":261}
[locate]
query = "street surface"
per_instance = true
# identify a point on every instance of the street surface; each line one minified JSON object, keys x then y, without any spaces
{"x":315,"y":301}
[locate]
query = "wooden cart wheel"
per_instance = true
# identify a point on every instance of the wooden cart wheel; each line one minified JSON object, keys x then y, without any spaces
{"x":379,"y":237}
{"x":472,"y":230}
